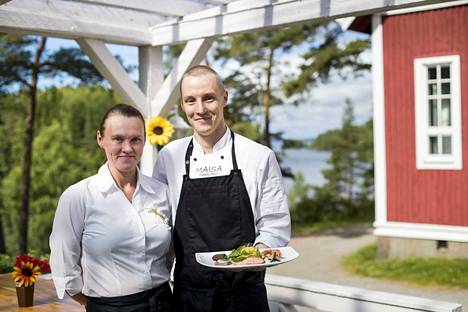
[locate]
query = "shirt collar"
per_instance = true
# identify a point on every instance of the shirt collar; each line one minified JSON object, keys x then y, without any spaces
{"x":105,"y":181}
{"x":222,"y":143}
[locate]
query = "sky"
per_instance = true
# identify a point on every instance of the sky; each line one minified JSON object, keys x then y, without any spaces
{"x":319,"y":111}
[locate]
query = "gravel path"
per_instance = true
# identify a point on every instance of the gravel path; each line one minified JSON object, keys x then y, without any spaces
{"x":320,"y":260}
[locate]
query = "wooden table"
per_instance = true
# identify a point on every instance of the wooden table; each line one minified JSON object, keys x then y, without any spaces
{"x":45,"y":297}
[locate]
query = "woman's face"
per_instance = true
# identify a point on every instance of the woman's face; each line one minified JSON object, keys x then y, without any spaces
{"x":123,"y":140}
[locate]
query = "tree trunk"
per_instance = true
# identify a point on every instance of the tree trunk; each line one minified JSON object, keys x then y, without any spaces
{"x":27,"y":154}
{"x":266,"y":102}
{"x":2,"y":238}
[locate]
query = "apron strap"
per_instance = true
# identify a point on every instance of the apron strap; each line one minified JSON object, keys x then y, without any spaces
{"x":189,"y":151}
{"x":233,"y":152}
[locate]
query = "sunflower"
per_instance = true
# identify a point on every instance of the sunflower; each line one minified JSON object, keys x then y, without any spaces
{"x":159,"y":130}
{"x":26,"y":273}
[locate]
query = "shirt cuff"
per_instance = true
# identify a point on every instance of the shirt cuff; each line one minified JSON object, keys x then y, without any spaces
{"x":60,"y":287}
{"x":269,"y":240}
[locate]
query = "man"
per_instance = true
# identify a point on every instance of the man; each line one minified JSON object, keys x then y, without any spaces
{"x":226,"y":190}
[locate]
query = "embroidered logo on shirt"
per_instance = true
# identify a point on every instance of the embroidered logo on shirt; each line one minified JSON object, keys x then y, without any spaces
{"x":158,"y":214}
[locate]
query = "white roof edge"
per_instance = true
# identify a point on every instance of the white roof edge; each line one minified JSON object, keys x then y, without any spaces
{"x":428,"y":7}
{"x":347,"y":21}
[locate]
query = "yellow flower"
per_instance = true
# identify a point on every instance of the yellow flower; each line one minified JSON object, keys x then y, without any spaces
{"x":158,"y":213}
{"x":26,"y":273}
{"x":159,"y":130}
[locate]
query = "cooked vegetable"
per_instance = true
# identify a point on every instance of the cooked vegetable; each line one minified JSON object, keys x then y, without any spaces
{"x":243,"y":252}
{"x":247,"y":254}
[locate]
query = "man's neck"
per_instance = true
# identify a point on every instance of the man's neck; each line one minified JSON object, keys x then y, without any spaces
{"x":208,"y":142}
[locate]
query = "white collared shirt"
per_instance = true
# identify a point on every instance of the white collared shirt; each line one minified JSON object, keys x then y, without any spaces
{"x":262,"y":178}
{"x":103,"y":245}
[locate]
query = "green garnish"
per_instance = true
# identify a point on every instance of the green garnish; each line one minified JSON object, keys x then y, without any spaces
{"x":243,"y":252}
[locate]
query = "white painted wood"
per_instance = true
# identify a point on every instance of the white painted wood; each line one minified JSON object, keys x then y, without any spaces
{"x":256,"y":14}
{"x":91,"y":12}
{"x":219,"y":1}
{"x":172,"y":7}
{"x":425,"y":161}
{"x":422,"y":231}
{"x":380,"y":162}
{"x":331,"y":297}
{"x":41,"y":20}
{"x":151,"y":79}
{"x":115,"y":74}
{"x":167,"y":96}
{"x":428,"y":7}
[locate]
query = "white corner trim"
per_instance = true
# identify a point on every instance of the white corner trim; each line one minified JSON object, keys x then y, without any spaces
{"x":422,"y":231}
{"x":428,"y":7}
{"x":380,"y":166}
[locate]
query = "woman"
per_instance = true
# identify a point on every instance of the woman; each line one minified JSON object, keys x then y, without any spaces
{"x":111,"y":234}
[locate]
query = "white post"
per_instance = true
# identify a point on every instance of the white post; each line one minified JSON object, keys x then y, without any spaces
{"x":151,"y":79}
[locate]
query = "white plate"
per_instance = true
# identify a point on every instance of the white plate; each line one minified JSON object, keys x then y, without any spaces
{"x":205,"y":258}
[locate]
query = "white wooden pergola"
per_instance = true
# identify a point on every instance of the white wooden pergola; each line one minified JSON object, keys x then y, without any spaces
{"x":151,"y":24}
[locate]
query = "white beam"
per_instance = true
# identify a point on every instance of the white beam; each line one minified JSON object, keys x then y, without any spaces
{"x":242,"y":16}
{"x":151,"y":79}
{"x":192,"y":54}
{"x":172,"y":7}
{"x":111,"y":69}
{"x":331,"y":297}
{"x":219,"y":1}
{"x":51,"y":19}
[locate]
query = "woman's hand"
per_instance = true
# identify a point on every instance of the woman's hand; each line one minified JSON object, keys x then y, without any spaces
{"x":80,"y":298}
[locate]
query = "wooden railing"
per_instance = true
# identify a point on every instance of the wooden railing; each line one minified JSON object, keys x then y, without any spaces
{"x":285,"y":293}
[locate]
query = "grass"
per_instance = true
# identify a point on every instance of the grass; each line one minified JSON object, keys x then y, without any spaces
{"x":420,"y":271}
{"x":308,"y":229}
{"x":6,"y":264}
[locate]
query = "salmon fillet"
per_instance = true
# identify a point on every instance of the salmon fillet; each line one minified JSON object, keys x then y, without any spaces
{"x":250,"y":260}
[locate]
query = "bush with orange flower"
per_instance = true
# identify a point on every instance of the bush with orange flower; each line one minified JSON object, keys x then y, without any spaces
{"x":27,"y":269}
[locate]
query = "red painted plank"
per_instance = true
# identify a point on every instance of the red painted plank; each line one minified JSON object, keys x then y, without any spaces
{"x":422,"y":196}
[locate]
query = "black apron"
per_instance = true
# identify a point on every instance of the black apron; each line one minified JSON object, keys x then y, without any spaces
{"x":158,"y":299}
{"x":214,"y":214}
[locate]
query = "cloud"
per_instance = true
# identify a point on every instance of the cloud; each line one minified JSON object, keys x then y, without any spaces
{"x":323,"y":110}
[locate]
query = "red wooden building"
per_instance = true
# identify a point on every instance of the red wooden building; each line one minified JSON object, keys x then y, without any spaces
{"x":420,"y":83}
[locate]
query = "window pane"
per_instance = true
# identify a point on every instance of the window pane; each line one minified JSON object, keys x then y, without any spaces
{"x":446,"y":88}
{"x":433,"y":113}
{"x":432,"y":72}
{"x":446,"y":113}
{"x":432,"y":89}
{"x":433,"y":145}
{"x":446,"y":145}
{"x":445,"y":72}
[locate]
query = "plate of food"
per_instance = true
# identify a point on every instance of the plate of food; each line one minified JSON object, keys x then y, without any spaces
{"x":246,"y":256}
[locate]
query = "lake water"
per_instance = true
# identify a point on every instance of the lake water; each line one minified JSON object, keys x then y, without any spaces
{"x":307,"y":161}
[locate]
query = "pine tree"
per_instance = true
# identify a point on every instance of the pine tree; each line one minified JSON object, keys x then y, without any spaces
{"x":23,"y":60}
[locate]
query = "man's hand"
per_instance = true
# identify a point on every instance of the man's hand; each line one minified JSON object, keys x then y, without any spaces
{"x":261,"y":246}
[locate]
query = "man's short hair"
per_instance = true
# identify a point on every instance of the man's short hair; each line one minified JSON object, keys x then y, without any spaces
{"x":199,"y":70}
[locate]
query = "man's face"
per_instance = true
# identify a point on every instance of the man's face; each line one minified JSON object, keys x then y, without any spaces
{"x":203,"y":101}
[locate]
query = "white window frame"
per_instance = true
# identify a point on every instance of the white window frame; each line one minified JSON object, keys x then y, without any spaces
{"x":424,"y":160}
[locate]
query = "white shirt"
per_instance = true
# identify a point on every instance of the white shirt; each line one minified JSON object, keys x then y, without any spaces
{"x":104,"y":246}
{"x":262,"y":178}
